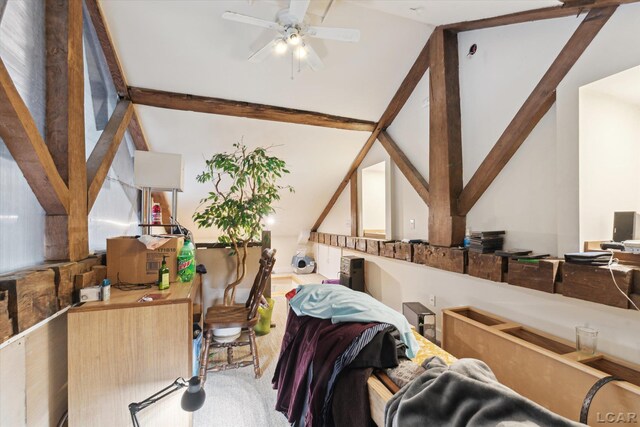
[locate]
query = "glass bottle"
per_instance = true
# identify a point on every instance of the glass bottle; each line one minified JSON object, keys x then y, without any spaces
{"x":163,"y":274}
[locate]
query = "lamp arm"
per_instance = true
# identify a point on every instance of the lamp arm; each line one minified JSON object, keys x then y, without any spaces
{"x":136,"y":407}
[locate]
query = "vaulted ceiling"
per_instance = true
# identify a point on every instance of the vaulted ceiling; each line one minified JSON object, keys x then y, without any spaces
{"x":185,"y":46}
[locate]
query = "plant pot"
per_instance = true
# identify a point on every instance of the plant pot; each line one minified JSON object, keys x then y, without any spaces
{"x":263,"y":327}
{"x":226,"y":334}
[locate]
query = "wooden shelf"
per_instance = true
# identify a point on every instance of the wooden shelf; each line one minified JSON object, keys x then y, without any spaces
{"x":590,"y":283}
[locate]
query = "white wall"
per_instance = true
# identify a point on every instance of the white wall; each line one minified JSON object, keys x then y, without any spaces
{"x":338,"y":220}
{"x":535,"y":197}
{"x":609,"y":158}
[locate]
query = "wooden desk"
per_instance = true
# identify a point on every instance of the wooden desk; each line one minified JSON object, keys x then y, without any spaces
{"x":123,"y":351}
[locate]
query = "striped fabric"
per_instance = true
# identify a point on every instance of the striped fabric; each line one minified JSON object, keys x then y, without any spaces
{"x":346,"y":358}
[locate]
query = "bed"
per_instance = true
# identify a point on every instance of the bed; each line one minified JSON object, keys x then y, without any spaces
{"x":381,"y":387}
{"x":336,"y":338}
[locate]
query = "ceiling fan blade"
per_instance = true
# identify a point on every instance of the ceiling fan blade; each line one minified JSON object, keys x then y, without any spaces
{"x":260,"y":55}
{"x":340,"y":34}
{"x":232,"y":16}
{"x":312,"y":58}
{"x":298,"y":8}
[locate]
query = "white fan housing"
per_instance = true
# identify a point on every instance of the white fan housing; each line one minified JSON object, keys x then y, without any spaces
{"x":293,"y":33}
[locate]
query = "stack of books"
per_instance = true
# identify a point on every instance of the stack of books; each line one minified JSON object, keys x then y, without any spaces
{"x":485,"y":242}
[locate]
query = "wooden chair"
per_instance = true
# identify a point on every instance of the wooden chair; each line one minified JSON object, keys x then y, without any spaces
{"x":242,"y":316}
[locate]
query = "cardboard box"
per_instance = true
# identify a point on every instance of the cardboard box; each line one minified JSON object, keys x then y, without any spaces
{"x":129,"y":261}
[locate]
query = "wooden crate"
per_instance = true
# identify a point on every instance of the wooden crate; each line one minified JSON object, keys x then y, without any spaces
{"x":313,"y":236}
{"x":333,"y":240}
{"x":373,"y":247}
{"x":101,"y":272}
{"x":593,"y":283}
{"x":540,"y":276}
{"x":64,"y":273}
{"x":403,"y":251}
{"x":6,"y":323}
{"x":419,"y":253}
{"x":342,"y":241}
{"x":351,"y":242}
{"x":487,"y":266}
{"x":84,"y":280}
{"x":387,"y":249}
{"x":361,"y":244}
{"x":450,"y":259}
{"x":32,"y":297}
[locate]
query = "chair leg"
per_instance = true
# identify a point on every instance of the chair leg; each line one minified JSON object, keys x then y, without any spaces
{"x":204,"y":356}
{"x":254,"y":352}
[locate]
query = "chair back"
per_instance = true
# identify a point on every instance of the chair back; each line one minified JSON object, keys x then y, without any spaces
{"x":267,"y":260}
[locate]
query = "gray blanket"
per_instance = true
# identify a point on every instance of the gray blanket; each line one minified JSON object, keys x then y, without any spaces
{"x":464,"y":394}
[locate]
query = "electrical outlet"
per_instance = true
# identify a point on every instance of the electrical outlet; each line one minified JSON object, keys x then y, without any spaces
{"x":432,"y":300}
{"x":412,"y":224}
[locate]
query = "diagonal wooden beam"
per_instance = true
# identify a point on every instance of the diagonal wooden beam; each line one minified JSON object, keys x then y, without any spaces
{"x":226,"y":107}
{"x":99,"y":24}
{"x":23,"y":140}
{"x":120,"y":82}
{"x":352,"y":169}
{"x":105,"y":150}
{"x":569,"y":8}
{"x":415,"y":74}
{"x":408,"y":85}
{"x":533,"y":109}
{"x":446,"y":226}
{"x":409,"y":171}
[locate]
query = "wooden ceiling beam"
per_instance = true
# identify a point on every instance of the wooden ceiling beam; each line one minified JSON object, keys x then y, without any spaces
{"x":446,"y":225}
{"x":23,"y":140}
{"x":226,"y":107}
{"x":533,"y":109}
{"x":106,"y":43}
{"x":104,"y":152}
{"x":569,"y":8}
{"x":409,"y":171}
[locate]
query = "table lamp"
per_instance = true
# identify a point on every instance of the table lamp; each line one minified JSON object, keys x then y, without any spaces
{"x":192,"y":399}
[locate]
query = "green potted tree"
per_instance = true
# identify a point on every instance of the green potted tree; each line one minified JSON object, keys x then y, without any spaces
{"x":244,"y":187}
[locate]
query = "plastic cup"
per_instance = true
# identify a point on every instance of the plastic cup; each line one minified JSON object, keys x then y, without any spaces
{"x":586,"y":340}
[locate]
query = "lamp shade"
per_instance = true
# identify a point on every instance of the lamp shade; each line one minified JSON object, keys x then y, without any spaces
{"x":160,"y":171}
{"x":193,"y":397}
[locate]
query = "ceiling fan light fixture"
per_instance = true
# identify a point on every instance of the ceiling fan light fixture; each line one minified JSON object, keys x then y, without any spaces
{"x":280,"y":47}
{"x":294,"y":39}
{"x":301,"y":52}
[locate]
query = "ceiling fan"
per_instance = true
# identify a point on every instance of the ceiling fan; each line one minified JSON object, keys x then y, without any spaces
{"x":293,"y":34}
